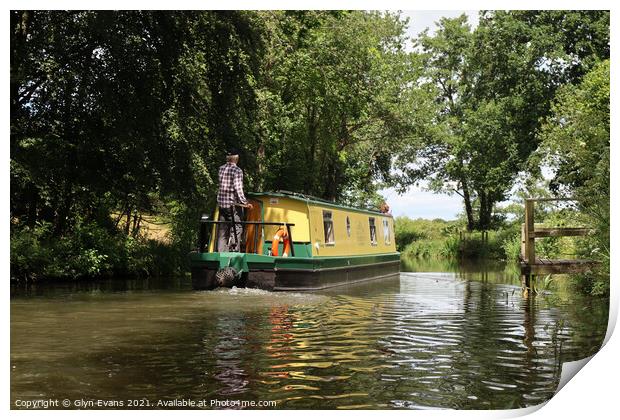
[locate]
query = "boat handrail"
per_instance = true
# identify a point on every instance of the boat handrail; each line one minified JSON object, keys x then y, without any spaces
{"x":204,"y":221}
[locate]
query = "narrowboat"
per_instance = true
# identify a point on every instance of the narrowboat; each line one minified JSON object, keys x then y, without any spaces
{"x":292,"y":242}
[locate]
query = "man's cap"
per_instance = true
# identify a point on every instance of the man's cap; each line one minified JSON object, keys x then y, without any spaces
{"x":232,"y":151}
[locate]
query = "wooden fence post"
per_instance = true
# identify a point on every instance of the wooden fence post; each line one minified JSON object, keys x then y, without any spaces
{"x":530,"y":244}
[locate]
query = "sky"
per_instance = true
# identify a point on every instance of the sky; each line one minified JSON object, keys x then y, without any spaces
{"x":422,"y":19}
{"x":417,"y":202}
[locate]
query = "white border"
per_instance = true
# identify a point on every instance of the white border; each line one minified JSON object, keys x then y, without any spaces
{"x":593,"y":393}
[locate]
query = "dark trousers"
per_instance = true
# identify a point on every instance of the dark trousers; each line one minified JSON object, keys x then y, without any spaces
{"x":228,"y":235}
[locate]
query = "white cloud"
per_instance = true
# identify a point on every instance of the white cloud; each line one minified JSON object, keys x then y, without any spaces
{"x":422,"y":19}
{"x":417,"y":203}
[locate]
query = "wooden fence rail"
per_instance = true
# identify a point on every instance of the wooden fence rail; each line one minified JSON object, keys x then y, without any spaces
{"x":533,"y":266}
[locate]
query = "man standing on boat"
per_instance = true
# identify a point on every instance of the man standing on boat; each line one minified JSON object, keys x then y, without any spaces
{"x":230,"y":194}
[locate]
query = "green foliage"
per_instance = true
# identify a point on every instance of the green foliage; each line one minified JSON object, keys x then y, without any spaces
{"x":28,"y":254}
{"x":511,"y":247}
{"x":577,"y":145}
{"x":424,"y":249}
{"x":421,"y":238}
{"x":451,"y":247}
{"x":407,"y":230}
{"x":89,"y":251}
{"x":491,"y":88}
{"x":128,"y":113}
{"x":333,"y":102}
{"x":437,"y":238}
{"x":473,"y":246}
{"x":117,"y":120}
{"x":184,"y":224}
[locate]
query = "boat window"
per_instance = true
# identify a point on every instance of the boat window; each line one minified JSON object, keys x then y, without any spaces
{"x":328,"y":227}
{"x":373,"y":231}
{"x":348,"y":227}
{"x":386,"y":232}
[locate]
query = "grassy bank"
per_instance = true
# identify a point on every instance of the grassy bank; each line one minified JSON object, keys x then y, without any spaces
{"x":90,"y":250}
{"x":441,"y":239}
{"x":421,"y":238}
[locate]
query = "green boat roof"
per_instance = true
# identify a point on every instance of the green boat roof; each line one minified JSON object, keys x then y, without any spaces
{"x":315,"y":200}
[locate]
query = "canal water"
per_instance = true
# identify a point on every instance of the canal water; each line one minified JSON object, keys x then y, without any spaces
{"x":444,"y":336}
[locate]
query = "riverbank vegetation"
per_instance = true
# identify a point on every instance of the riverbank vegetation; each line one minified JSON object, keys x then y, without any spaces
{"x":438,"y":238}
{"x":442,"y":239}
{"x":451,"y":241}
{"x":117,"y":116}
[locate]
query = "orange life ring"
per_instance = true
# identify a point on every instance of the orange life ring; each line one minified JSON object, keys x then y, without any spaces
{"x":281,"y":234}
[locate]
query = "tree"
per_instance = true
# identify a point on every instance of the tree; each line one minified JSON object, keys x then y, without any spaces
{"x":116,"y":111}
{"x":491,"y":87}
{"x":577,"y":146}
{"x":333,"y":98}
{"x":118,"y":114}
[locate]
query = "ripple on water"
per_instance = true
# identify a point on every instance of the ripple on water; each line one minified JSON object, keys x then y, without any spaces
{"x":421,"y":341}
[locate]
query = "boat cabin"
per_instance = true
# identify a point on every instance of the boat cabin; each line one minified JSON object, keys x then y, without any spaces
{"x":295,"y":242}
{"x":316,"y":228}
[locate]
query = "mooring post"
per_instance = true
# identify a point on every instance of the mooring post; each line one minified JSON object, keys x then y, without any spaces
{"x":525,"y":284}
{"x":528,"y":245}
{"x":523,"y":241}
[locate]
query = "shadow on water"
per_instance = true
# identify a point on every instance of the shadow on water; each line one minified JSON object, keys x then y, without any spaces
{"x":447,"y":337}
{"x":62,"y":288}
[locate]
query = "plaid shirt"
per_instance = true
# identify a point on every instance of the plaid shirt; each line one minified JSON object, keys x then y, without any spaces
{"x":231,"y":186}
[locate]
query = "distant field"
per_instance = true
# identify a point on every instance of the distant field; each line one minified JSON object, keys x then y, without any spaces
{"x":151,"y":227}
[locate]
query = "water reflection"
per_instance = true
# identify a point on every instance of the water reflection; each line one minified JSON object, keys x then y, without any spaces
{"x":414,"y":341}
{"x":500,"y":272}
{"x":230,"y":348}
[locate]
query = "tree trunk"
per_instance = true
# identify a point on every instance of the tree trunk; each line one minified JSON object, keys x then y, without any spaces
{"x":63,"y":208}
{"x":482,"y":219}
{"x":128,"y":224}
{"x":63,"y":211}
{"x":134,"y":230}
{"x":138,"y":225}
{"x":32,"y":204}
{"x":486,"y":208}
{"x":468,"y":208}
{"x":310,"y":174}
{"x":332,"y":180}
{"x":260,"y":158}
